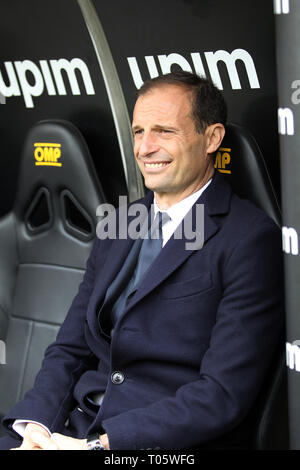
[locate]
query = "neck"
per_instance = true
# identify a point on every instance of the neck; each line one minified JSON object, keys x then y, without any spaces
{"x":166,"y":200}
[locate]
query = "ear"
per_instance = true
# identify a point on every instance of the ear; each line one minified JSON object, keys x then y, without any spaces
{"x":214,"y":134}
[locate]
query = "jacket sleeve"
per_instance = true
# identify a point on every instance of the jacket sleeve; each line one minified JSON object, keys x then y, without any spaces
{"x":50,"y":400}
{"x":244,"y":337}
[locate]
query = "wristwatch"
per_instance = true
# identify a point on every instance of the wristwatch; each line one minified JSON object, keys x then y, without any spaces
{"x":93,"y":442}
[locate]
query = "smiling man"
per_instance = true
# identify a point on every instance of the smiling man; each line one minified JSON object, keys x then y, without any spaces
{"x":174,"y":358}
{"x":173,"y":156}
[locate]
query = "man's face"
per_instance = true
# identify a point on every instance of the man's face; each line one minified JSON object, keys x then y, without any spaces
{"x":171,"y":155}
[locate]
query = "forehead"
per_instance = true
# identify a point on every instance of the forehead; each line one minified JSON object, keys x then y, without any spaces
{"x":165,"y":103}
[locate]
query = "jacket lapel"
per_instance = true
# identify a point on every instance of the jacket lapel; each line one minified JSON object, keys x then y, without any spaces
{"x":216,"y":201}
{"x":117,"y":255}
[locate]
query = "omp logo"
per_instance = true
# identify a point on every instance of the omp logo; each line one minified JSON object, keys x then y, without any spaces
{"x":293,"y":356}
{"x":281,"y":6}
{"x":223,"y":160}
{"x":290,"y":243}
{"x":29,"y":79}
{"x":47,"y":154}
{"x":212,"y":59}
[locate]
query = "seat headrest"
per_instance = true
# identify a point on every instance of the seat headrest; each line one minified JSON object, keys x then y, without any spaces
{"x":240,"y":161}
{"x":58,"y":190}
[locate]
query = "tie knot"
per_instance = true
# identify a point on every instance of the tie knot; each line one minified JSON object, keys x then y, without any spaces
{"x":159,"y":220}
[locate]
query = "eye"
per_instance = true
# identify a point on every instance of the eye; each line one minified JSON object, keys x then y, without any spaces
{"x":137,"y":132}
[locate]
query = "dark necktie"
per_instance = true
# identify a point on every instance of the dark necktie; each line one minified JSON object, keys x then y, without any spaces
{"x":150,"y":249}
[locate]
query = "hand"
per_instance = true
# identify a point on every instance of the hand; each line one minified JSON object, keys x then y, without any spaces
{"x":68,"y":443}
{"x":36,"y":438}
{"x":104,"y":441}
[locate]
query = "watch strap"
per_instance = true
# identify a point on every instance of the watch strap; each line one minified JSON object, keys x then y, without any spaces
{"x":93,"y":442}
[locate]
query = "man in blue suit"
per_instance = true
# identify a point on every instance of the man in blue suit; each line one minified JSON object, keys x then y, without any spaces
{"x":173,"y":359}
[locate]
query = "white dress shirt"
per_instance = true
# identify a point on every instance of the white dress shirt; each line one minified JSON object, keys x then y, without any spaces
{"x":177,"y":212}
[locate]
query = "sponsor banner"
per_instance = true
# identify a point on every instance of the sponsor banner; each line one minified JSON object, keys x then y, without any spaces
{"x":293,"y":355}
{"x":195,"y":64}
{"x":2,"y":352}
{"x":31,"y":79}
{"x":287,"y":16}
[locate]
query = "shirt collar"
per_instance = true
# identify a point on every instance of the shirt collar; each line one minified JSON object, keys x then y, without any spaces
{"x":181,"y":208}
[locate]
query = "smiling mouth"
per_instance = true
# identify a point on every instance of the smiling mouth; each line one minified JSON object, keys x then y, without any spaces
{"x":156,"y":165}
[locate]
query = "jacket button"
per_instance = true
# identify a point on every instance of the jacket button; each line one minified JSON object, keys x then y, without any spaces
{"x":117,"y":377}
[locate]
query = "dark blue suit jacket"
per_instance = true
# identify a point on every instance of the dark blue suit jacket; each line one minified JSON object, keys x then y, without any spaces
{"x":194,"y":343}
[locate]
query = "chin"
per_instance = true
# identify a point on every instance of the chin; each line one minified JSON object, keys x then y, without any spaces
{"x":158,"y":187}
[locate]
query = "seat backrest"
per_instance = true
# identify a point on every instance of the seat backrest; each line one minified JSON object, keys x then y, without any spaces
{"x":44,"y":245}
{"x":241,"y":163}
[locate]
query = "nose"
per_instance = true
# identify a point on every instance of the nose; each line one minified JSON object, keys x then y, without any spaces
{"x":146,"y":145}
